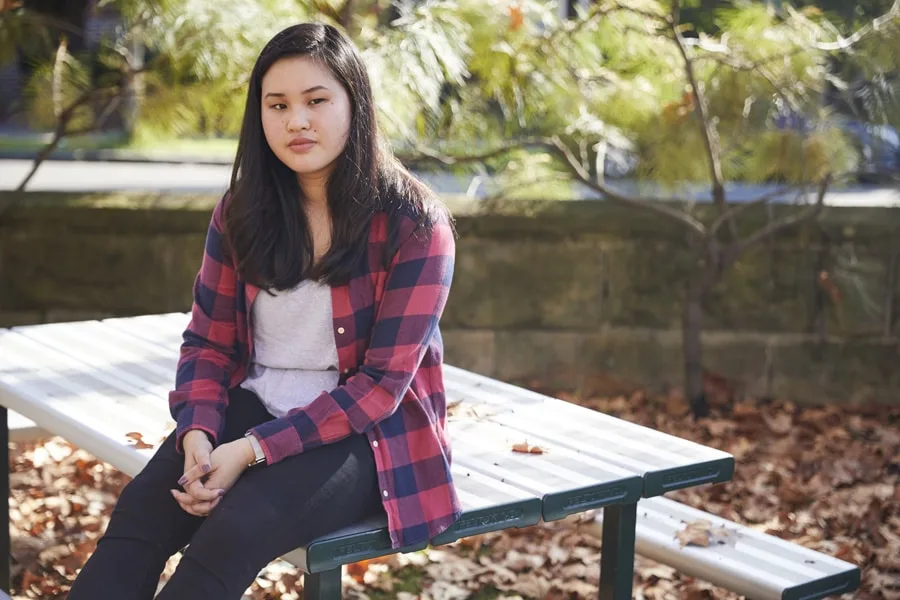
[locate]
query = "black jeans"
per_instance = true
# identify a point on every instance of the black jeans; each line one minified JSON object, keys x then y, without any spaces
{"x":270,"y":511}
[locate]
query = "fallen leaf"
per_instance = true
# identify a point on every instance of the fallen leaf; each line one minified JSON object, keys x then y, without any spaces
{"x":781,"y":423}
{"x":526,"y":448}
{"x":358,"y":570}
{"x":138,"y":440}
{"x":695,"y":533}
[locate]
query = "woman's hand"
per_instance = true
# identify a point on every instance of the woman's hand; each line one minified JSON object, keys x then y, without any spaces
{"x":197,"y":449}
{"x":226,"y":464}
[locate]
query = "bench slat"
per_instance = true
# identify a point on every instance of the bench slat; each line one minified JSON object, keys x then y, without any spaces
{"x":749,"y":562}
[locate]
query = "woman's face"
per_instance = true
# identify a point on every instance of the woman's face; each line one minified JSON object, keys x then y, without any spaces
{"x":305,"y":115}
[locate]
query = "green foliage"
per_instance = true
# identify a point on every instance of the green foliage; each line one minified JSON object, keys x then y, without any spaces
{"x":410,"y":63}
{"x":52,"y":88}
{"x":20,"y":30}
{"x":464,"y":76}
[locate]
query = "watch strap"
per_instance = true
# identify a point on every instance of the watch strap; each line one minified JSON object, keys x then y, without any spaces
{"x":259,"y":455}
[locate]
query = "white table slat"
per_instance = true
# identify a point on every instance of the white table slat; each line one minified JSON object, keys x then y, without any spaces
{"x":487,"y":446}
{"x":78,"y":348}
{"x":640,"y":443}
{"x":90,"y":344}
{"x":163,"y":331}
{"x":630,"y":446}
{"x":66,"y":377}
{"x":55,"y":397}
{"x":476,"y":491}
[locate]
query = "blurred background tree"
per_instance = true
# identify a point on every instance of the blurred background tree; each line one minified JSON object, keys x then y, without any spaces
{"x":675,"y":95}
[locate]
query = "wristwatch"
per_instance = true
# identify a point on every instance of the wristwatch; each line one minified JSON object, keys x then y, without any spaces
{"x":260,"y":457}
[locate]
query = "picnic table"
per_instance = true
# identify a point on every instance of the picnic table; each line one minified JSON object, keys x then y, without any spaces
{"x":98,"y":383}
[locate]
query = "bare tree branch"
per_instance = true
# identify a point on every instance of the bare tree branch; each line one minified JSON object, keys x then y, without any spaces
{"x":581,"y":173}
{"x":736,"y":210}
{"x":719,"y":54}
{"x":658,"y":206}
{"x":877,"y":24}
{"x":426,"y":155}
{"x":708,"y":130}
{"x":777,"y":226}
{"x":62,"y":122}
{"x":596,"y":11}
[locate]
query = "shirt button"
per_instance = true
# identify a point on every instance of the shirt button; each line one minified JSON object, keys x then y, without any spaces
{"x":375,"y":443}
{"x":385,"y":493}
{"x":340,"y":330}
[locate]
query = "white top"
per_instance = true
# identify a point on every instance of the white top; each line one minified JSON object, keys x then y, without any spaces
{"x":294,"y":357}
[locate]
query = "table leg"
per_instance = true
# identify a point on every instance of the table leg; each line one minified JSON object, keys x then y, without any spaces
{"x":322,"y":586}
{"x":617,"y":555}
{"x":5,"y":580}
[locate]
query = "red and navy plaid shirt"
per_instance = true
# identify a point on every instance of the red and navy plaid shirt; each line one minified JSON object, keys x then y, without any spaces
{"x":390,"y":353}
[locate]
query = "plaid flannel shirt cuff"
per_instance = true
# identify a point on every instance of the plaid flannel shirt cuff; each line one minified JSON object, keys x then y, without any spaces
{"x":204,"y":418}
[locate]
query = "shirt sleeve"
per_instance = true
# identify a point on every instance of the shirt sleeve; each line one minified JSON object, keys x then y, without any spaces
{"x":208,"y":357}
{"x":415,"y":293}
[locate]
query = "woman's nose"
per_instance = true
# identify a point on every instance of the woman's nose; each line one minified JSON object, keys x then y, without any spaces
{"x":299,"y":120}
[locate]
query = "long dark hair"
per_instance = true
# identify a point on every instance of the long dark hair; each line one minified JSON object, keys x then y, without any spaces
{"x":266,"y":228}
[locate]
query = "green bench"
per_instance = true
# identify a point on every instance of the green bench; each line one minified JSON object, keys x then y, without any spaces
{"x":92,"y":382}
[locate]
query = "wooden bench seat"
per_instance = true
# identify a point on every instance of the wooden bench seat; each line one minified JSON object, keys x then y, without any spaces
{"x":741,"y":559}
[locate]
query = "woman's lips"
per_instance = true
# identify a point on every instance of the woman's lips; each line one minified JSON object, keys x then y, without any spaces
{"x":301,"y":147}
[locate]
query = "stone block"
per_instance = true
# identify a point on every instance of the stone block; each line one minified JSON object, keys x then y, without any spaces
{"x":472,"y":350}
{"x":527,"y":284}
{"x":107,"y":273}
{"x":14,"y":318}
{"x":545,"y":356}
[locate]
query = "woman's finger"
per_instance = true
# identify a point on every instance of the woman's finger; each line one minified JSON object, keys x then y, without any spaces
{"x":189,"y":509}
{"x":201,"y":459}
{"x":200,"y":492}
{"x":183,"y":498}
{"x":202,"y":507}
{"x":193,"y":474}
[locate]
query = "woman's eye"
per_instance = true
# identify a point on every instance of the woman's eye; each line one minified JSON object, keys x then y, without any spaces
{"x":279,"y":106}
{"x":317,"y":101}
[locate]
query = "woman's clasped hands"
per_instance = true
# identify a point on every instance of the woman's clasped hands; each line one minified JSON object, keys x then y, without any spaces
{"x":209,"y":473}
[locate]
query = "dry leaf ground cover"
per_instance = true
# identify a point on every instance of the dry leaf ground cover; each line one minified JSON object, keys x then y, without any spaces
{"x":823,"y":477}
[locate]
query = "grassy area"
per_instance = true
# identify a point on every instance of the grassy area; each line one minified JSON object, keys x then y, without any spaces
{"x":213,"y":147}
{"x":33,"y":143}
{"x":217,"y":147}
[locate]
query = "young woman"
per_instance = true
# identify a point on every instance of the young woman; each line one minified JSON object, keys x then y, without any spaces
{"x":309,"y":391}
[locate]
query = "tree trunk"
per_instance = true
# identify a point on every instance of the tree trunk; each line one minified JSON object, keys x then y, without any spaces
{"x":692,"y":326}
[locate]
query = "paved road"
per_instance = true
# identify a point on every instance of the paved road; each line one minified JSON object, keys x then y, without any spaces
{"x":200,"y":178}
{"x":186,"y":178}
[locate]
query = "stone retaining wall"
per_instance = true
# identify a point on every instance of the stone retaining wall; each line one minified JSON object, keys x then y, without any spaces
{"x":575,"y":293}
